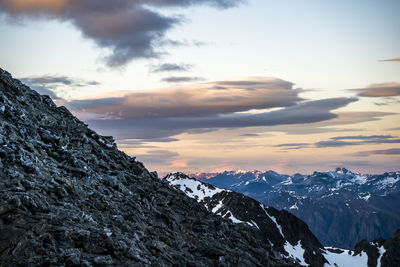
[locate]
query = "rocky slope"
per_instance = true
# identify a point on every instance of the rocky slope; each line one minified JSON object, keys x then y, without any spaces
{"x":340,"y":207}
{"x":285,"y":232}
{"x":68,"y":197}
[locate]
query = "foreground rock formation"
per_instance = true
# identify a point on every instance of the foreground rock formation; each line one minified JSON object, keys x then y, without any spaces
{"x":68,"y":196}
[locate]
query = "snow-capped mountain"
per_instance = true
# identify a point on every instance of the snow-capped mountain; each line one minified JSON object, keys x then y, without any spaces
{"x":282,"y":230}
{"x":340,"y":207}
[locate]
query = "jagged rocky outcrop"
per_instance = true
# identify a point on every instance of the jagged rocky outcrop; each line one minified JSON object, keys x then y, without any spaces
{"x":340,"y":207}
{"x":381,"y":252}
{"x":69,"y":197}
{"x":284,"y":231}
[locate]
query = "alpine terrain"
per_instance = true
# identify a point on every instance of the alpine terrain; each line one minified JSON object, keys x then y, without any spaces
{"x":285,"y":231}
{"x":340,"y":207}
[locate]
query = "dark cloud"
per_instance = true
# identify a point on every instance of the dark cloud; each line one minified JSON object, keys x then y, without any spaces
{"x":158,"y":127}
{"x":392,"y":151}
{"x":358,"y":140}
{"x":48,"y":84}
{"x":334,"y":143}
{"x":397,"y":59}
{"x":194,"y":100}
{"x":256,"y":83}
{"x":363,"y":137}
{"x":388,"y":101}
{"x":176,"y":43}
{"x":341,"y":141}
{"x":249,"y":135}
{"x":293,"y":145}
{"x":182,"y":79}
{"x":57,"y":80}
{"x":131,"y":29}
{"x":333,"y":125}
{"x":379,"y":90}
{"x":168,"y":67}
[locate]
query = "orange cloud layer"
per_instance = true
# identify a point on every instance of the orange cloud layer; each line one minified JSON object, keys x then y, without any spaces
{"x":52,"y":6}
{"x":212,"y":98}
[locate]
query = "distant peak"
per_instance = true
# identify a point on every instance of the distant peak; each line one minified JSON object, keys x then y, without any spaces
{"x":342,"y":171}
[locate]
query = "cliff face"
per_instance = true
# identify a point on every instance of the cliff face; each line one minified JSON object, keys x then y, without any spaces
{"x":69,"y":197}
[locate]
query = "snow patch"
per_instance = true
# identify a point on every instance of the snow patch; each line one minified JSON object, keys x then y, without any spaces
{"x":193,"y":188}
{"x":388,"y":181}
{"x":255,"y":224}
{"x":296,"y":252}
{"x":381,"y":252}
{"x":345,"y":259}
{"x":233,"y":218}
{"x":274,"y":220}
{"x":217,"y":207}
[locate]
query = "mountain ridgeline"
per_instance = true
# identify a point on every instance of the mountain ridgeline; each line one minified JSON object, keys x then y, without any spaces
{"x":340,"y":207}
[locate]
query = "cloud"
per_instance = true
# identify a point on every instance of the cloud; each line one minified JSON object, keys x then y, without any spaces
{"x":175,"y":43}
{"x":49,"y":84}
{"x":363,"y":137}
{"x":331,"y":126}
{"x":168,"y":67}
{"x":206,"y":107}
{"x":396,"y":59}
{"x":341,"y":141}
{"x":130,"y":29}
{"x":249,"y":135}
{"x":358,"y":140}
{"x":182,"y":79}
{"x":392,"y":151}
{"x":379,"y":90}
{"x":56,"y":79}
{"x":293,"y":146}
{"x":195,"y":100}
{"x":160,"y":127}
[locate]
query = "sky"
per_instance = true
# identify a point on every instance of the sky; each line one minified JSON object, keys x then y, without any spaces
{"x":213,"y":85}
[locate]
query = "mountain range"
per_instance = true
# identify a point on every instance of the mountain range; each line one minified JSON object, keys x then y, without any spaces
{"x":340,"y":207}
{"x":284,"y":231}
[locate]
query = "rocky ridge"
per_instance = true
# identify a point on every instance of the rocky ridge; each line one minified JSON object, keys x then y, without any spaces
{"x":69,"y":197}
